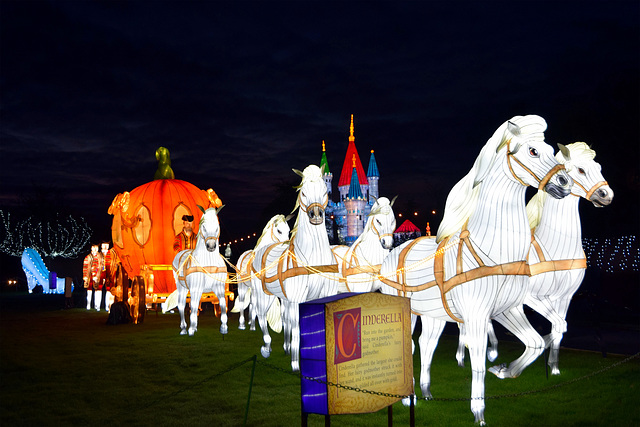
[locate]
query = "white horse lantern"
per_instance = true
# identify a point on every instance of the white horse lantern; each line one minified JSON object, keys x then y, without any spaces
{"x":360,"y":263}
{"x":300,"y":270}
{"x":557,"y":260}
{"x":200,"y":270}
{"x":477,"y":266}
{"x":276,"y":230}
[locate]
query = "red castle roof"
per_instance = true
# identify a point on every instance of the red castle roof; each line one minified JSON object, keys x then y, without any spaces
{"x":407,"y":227}
{"x":347,"y":166}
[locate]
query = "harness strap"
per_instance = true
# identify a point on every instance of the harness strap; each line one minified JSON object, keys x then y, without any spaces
{"x":245,"y":273}
{"x":545,"y":266}
{"x":515,"y":268}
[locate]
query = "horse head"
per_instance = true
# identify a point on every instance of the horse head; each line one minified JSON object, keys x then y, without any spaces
{"x":382,"y":221}
{"x":578,"y":160}
{"x":530,"y":160}
{"x":210,"y":228}
{"x":312,"y":194}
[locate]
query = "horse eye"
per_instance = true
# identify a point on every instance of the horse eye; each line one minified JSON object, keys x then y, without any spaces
{"x":533,"y":152}
{"x":581,"y":171}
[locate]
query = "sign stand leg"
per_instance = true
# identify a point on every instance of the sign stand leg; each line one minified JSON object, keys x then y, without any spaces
{"x":327,"y":420}
{"x":412,"y":412}
{"x":390,"y":415}
{"x":304,"y":419}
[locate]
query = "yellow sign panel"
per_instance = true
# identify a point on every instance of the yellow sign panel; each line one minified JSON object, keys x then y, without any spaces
{"x":368,"y":346}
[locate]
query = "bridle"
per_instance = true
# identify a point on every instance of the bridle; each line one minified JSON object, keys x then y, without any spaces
{"x":541,"y":182}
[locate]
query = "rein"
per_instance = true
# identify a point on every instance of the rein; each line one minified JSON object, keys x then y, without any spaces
{"x":541,"y":182}
{"x":292,"y":270}
{"x":358,"y":269}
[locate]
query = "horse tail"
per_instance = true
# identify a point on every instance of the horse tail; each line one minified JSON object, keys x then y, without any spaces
{"x":171,"y":302}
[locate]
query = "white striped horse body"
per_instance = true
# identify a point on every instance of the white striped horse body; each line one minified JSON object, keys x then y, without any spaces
{"x":276,"y":230}
{"x":359,"y":264}
{"x":557,"y":260}
{"x":479,"y":260}
{"x":201,"y":270}
{"x":299,"y":270}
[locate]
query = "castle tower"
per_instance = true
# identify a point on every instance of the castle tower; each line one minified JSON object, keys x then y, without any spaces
{"x":346,"y":174}
{"x":355,"y":204}
{"x":373,"y":175}
{"x":326,"y":174}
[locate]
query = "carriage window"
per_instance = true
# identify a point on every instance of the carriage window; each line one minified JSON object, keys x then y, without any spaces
{"x":181,"y":210}
{"x":143,"y":229}
{"x":116,"y":230}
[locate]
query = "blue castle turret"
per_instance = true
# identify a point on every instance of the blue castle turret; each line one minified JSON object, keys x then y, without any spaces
{"x":345,"y":218}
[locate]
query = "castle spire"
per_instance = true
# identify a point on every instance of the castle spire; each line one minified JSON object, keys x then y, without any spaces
{"x":351,"y":137}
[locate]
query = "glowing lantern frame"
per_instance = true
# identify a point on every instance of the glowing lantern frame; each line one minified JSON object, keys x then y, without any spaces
{"x":145,"y":223}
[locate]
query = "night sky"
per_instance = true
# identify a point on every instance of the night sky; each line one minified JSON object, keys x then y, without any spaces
{"x":242,"y":92}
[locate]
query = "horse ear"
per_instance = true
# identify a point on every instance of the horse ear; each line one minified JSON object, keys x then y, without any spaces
{"x":565,"y":152}
{"x":513,"y":128}
{"x":288,"y":217}
{"x":298,"y":172}
{"x":393,"y":201}
{"x":201,"y":208}
{"x":219,"y":209}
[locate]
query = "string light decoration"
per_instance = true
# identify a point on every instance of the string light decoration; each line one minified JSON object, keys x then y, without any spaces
{"x":63,"y":237}
{"x":613,"y":255}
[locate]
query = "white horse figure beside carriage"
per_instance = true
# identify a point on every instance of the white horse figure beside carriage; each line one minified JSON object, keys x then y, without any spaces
{"x":556,"y":259}
{"x":477,"y":267}
{"x":276,"y":230}
{"x":200,"y":270}
{"x":300,"y":270}
{"x":359,"y":264}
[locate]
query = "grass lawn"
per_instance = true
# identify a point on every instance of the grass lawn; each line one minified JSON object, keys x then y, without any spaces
{"x":67,"y":367}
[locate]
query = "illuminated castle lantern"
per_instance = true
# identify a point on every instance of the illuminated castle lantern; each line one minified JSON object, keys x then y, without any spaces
{"x":357,"y":190}
{"x":147,"y":219}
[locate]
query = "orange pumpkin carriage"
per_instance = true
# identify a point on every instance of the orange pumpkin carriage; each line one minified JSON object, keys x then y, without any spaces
{"x":145,"y":223}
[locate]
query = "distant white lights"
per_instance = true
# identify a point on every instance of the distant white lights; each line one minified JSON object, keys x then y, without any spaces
{"x":613,"y":255}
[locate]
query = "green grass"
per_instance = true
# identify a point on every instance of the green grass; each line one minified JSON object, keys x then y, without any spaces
{"x":67,"y":367}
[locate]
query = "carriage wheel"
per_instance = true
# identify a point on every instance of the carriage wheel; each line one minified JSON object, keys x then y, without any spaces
{"x":137,"y":300}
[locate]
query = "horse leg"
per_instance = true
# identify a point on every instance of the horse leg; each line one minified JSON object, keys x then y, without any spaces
{"x":428,"y":341}
{"x":294,"y":315}
{"x":224,"y":328}
{"x":414,"y":320}
{"x":286,"y":326}
{"x":553,"y":340}
{"x":262,"y":308}
{"x":252,"y":315}
{"x":182,"y":302}
{"x":196,"y":295}
{"x":461,"y":345}
{"x":240,"y":304}
{"x":516,"y":321}
{"x":492,"y":351}
{"x":476,"y":332}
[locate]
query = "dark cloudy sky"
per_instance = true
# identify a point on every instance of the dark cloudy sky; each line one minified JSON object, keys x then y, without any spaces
{"x":241,"y":92}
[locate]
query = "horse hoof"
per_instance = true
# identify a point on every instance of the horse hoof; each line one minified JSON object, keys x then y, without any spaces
{"x":492,"y":355}
{"x":265,"y":352}
{"x":407,"y":400}
{"x":241,"y":327}
{"x":224,"y":329}
{"x":183,"y":332}
{"x":191,"y":332}
{"x":500,"y":371}
{"x":252,"y":328}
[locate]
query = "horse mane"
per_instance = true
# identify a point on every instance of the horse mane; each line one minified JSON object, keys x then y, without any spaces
{"x":273,"y":222}
{"x":463,"y":197}
{"x":579,"y":152}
